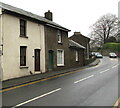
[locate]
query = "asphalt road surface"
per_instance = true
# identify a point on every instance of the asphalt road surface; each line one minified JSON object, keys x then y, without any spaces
{"x":94,"y":86}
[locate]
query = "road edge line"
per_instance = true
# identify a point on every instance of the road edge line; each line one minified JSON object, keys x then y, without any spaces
{"x":117,"y":103}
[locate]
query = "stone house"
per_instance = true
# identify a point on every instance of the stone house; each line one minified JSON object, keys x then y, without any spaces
{"x":56,"y":46}
{"x":82,"y":40}
{"x":76,"y":54}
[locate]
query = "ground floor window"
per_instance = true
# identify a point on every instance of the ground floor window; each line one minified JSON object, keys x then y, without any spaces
{"x":23,"y":55}
{"x":76,"y":56}
{"x":60,"y":57}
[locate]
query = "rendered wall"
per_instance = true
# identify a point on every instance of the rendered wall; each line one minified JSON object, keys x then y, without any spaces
{"x":11,"y":47}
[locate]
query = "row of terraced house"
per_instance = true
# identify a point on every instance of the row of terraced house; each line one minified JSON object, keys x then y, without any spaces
{"x":31,"y":44}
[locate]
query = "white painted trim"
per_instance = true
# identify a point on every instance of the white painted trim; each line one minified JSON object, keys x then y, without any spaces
{"x":0,"y":11}
{"x":76,"y":56}
{"x":59,"y":36}
{"x":62,"y":57}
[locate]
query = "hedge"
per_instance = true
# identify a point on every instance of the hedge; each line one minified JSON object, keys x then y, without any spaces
{"x":111,"y":46}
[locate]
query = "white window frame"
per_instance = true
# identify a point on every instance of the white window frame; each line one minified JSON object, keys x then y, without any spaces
{"x":59,"y":36}
{"x":25,"y":66}
{"x":76,"y":55}
{"x":60,"y":56}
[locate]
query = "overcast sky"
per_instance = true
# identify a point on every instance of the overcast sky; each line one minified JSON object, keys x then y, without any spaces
{"x":76,"y":15}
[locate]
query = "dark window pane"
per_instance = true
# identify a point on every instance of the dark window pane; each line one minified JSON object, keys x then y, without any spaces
{"x":23,"y":56}
{"x":22,"y":27}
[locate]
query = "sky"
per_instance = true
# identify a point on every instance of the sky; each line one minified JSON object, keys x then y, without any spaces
{"x":75,"y":15}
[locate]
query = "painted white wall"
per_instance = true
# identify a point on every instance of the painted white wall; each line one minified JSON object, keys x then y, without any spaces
{"x":12,"y":43}
{"x":1,"y":44}
{"x":0,"y":61}
{"x":42,"y":44}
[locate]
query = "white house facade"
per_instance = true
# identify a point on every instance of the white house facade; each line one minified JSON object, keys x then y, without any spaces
{"x":22,"y":45}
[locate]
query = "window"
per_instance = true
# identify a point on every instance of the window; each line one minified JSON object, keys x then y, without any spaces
{"x":59,"y":35}
{"x":22,"y":28}
{"x":23,"y":55}
{"x":77,"y":56}
{"x":60,"y":57}
{"x":88,"y":51}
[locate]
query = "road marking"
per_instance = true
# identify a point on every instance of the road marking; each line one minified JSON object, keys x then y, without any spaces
{"x":105,"y":71}
{"x":115,"y":66}
{"x":83,"y":79}
{"x":28,"y":101}
{"x":109,"y":69}
{"x":117,"y":103}
{"x":15,"y":87}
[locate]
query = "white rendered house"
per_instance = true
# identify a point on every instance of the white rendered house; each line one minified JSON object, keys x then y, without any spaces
{"x":22,"y":44}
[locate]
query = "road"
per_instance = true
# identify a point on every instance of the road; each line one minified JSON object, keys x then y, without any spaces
{"x":94,"y":86}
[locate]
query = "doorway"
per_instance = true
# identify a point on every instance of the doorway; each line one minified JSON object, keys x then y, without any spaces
{"x":37,"y":59}
{"x":51,"y":60}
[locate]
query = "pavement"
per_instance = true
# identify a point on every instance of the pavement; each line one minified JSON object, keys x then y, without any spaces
{"x":31,"y":78}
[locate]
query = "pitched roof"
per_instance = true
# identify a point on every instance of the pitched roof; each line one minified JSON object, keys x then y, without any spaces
{"x":79,"y":34}
{"x":31,"y":15}
{"x":75,"y":44}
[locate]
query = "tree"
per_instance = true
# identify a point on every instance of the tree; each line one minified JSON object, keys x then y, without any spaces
{"x":104,"y":28}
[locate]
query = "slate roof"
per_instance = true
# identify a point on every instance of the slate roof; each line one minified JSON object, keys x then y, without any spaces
{"x":31,"y":15}
{"x":75,"y":44}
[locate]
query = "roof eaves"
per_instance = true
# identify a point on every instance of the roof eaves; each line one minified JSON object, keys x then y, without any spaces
{"x":58,"y":27}
{"x":31,"y":15}
{"x":75,"y":44}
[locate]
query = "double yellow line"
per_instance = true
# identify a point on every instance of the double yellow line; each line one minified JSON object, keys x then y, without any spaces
{"x":22,"y":85}
{"x":117,"y":103}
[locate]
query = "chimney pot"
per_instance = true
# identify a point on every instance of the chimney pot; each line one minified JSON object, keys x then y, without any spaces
{"x":48,"y":15}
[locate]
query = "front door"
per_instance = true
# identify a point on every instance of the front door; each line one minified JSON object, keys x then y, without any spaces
{"x":50,"y":61}
{"x":37,"y":59}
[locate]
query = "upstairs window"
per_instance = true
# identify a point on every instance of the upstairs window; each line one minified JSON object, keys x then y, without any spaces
{"x":59,"y":35}
{"x":23,"y":55}
{"x":22,"y":28}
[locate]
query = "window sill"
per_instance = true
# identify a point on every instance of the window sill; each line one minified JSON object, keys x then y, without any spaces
{"x":60,"y":65}
{"x":22,"y":36}
{"x":21,"y":67}
{"x":60,"y":43}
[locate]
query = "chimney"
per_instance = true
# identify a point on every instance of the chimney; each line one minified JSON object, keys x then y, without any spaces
{"x":48,"y":15}
{"x":77,"y":33}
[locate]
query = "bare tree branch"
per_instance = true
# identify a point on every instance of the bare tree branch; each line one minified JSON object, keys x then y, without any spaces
{"x":104,"y":28}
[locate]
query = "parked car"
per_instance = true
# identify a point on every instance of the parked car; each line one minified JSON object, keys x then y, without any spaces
{"x":98,"y":55}
{"x":91,"y":54}
{"x":112,"y":55}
